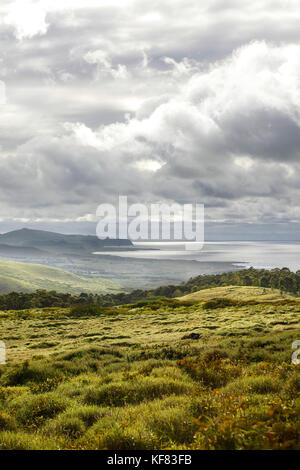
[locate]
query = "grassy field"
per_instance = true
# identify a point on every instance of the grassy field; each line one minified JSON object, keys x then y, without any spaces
{"x":132,"y":377}
{"x":237,"y":293}
{"x":27,"y":277}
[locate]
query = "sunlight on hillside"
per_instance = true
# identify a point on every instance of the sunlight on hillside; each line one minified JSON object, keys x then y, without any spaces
{"x":238,"y":293}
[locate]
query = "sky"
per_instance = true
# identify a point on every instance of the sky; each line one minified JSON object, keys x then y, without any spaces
{"x":163,"y":101}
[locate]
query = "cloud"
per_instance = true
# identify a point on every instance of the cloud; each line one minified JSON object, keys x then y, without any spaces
{"x":104,"y":64}
{"x":28,"y":18}
{"x":2,"y":93}
{"x":173,"y":101}
{"x":231,"y":132}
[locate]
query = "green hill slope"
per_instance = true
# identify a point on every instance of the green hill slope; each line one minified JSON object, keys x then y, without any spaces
{"x":27,"y":251}
{"x":237,"y":293}
{"x":58,"y":242}
{"x":27,"y":277}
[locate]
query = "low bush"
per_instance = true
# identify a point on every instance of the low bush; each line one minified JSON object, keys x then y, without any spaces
{"x":11,"y":440}
{"x":211,"y":371}
{"x":119,"y":394}
{"x":70,"y":426}
{"x":122,"y":438}
{"x":86,"y":310}
{"x":263,"y":384}
{"x":32,"y":410}
{"x":173,"y":425}
{"x":219,"y":303}
{"x":37,"y":372}
{"x":7,"y":421}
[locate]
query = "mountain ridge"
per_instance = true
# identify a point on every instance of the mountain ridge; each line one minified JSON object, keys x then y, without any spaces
{"x":57,"y":241}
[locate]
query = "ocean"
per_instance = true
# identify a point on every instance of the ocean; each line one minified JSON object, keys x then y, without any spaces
{"x":266,"y":255}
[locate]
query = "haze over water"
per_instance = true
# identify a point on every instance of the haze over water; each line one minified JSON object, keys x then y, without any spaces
{"x":243,"y":254}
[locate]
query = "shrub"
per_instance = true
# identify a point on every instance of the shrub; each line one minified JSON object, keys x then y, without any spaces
{"x":148,"y":388}
{"x":88,"y":414}
{"x":121,"y":437}
{"x":25,"y":441}
{"x":262,"y":384}
{"x":202,"y":405}
{"x":3,"y":393}
{"x":210,"y":371}
{"x":173,"y":425}
{"x":47,"y":386}
{"x":70,"y":426}
{"x":7,"y":422}
{"x":29,"y":372}
{"x":86,"y":310}
{"x":35,"y":409}
{"x":293,"y":385}
{"x":219,"y":303}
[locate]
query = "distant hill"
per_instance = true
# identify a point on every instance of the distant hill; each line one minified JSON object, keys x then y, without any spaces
{"x":28,"y":277}
{"x":58,"y":242}
{"x":237,"y":293}
{"x":12,"y":250}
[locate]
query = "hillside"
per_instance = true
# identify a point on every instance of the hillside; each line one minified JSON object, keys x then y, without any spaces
{"x":25,"y":251}
{"x":27,"y":277}
{"x":180,"y":376}
{"x":58,"y":242}
{"x":243,"y":293}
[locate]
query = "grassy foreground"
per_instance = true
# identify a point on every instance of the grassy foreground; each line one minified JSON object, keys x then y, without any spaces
{"x":130,"y":377}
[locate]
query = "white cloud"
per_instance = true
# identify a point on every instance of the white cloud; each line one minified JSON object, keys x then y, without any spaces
{"x":182,"y":68}
{"x":27,"y":17}
{"x":104,"y":65}
{"x":244,"y":162}
{"x":259,"y":81}
{"x":149,"y":165}
{"x":84,"y":135}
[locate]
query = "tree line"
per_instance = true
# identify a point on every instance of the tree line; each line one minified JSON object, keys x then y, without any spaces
{"x":283,"y":279}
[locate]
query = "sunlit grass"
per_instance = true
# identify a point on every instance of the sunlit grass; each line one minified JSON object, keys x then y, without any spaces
{"x":128,"y":380}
